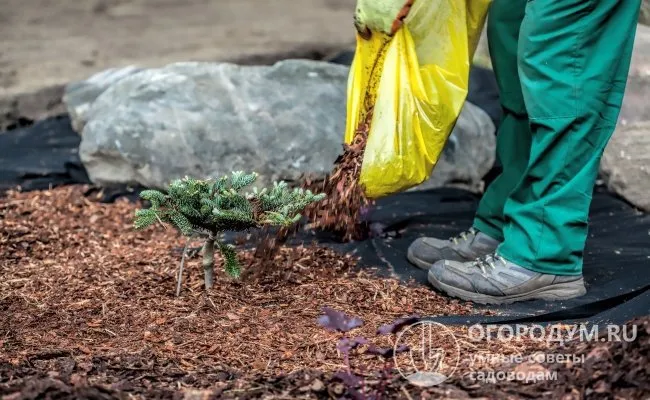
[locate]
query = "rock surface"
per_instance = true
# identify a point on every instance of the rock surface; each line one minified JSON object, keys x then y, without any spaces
{"x":625,"y":166}
{"x":206,"y":119}
{"x":469,"y":153}
{"x":644,"y":14}
{"x":83,"y":94}
{"x":482,"y":53}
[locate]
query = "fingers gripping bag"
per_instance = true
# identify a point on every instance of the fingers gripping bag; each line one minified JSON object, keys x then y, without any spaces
{"x":408,"y":82}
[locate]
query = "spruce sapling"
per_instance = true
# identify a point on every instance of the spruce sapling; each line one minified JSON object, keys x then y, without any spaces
{"x":208,"y":208}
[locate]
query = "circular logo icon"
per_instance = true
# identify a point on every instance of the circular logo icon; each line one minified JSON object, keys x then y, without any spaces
{"x":432,"y":354}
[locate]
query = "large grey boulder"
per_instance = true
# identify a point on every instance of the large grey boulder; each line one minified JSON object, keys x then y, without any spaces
{"x":79,"y":96}
{"x":482,"y":53}
{"x":469,"y":153}
{"x":207,"y":119}
{"x":625,"y":166}
{"x":644,"y":14}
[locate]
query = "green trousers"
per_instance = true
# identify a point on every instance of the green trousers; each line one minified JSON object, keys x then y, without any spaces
{"x":561,"y":67}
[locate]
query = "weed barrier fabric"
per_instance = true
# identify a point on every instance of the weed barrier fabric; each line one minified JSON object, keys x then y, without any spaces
{"x":617,"y":255}
{"x":42,"y":155}
{"x":616,"y":264}
{"x":46,"y":155}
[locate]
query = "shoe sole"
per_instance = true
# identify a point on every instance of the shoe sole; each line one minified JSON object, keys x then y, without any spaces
{"x":560,"y":291}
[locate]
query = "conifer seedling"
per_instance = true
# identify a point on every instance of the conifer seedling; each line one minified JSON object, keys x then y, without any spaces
{"x":208,"y":208}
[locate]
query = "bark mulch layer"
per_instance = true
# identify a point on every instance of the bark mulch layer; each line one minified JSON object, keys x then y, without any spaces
{"x":87,"y":310}
{"x":340,"y":212}
{"x":611,"y":370}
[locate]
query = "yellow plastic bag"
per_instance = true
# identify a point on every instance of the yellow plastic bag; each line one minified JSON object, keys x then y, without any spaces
{"x":414,"y":83}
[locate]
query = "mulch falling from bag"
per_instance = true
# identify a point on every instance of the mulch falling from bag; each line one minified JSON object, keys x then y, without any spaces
{"x":340,"y":213}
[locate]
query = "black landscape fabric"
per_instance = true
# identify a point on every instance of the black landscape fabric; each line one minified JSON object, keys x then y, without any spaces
{"x":616,"y":263}
{"x":42,"y":155}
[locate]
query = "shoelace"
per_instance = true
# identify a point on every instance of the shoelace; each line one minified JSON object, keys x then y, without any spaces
{"x":463,"y":235}
{"x":488,"y":261}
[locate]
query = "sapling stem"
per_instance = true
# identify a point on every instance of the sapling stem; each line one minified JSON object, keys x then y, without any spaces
{"x":180,"y":269}
{"x":208,"y":263}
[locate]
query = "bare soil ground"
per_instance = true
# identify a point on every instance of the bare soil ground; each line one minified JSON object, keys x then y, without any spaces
{"x":87,"y":310}
{"x":46,"y":44}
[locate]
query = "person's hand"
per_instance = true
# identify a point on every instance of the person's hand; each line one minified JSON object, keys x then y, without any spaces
{"x":385,"y":16}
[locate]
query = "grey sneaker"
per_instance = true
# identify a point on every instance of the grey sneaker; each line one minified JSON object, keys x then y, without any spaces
{"x":494,"y":280}
{"x":467,"y":246}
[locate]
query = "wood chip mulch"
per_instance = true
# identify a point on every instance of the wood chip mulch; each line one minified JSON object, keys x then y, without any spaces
{"x":341,"y":210}
{"x":77,"y":278}
{"x":340,"y":213}
{"x":88,"y":310}
{"x":612,"y":370}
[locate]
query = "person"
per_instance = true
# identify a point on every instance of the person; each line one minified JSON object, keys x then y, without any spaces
{"x":561,"y":67}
